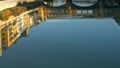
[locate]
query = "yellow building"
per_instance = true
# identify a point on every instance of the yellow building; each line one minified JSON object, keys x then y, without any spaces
{"x":9,"y":34}
{"x":43,"y":13}
{"x":10,"y":31}
{"x":26,"y":21}
{"x":26,"y":24}
{"x":71,"y":12}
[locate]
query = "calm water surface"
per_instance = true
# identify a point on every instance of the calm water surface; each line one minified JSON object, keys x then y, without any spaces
{"x":67,"y":43}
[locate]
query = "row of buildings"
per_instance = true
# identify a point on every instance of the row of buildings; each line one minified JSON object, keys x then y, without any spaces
{"x":13,"y":29}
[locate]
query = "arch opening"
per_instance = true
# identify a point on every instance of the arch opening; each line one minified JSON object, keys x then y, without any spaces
{"x":84,"y":3}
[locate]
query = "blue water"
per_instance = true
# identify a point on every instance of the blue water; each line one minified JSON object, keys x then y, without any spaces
{"x":67,"y":43}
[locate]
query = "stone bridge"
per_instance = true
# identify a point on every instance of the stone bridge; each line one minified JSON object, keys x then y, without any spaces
{"x":98,"y":4}
{"x":99,"y":8}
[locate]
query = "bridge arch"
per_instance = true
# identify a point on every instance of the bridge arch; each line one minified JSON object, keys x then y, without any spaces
{"x":70,"y":3}
{"x":76,"y":5}
{"x":84,"y":3}
{"x":55,"y":3}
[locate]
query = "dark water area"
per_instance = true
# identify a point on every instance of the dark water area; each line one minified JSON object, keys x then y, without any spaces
{"x":67,"y":43}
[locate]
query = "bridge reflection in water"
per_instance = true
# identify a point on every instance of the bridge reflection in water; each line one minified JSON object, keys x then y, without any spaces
{"x":19,"y":27}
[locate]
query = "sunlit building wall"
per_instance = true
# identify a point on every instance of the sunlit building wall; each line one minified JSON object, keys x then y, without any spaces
{"x":9,"y":34}
{"x":26,"y":21}
{"x":20,"y":21}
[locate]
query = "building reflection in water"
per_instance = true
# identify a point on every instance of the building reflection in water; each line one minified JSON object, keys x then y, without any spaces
{"x":96,"y":8}
{"x":19,"y":27}
{"x":85,"y":13}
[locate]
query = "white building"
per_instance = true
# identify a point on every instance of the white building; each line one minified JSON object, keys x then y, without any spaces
{"x":20,"y":21}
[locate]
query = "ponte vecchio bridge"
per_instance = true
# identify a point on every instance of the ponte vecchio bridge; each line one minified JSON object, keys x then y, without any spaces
{"x":74,"y":4}
{"x":99,"y":8}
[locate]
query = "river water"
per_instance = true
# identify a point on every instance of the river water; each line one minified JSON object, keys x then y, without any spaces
{"x":67,"y":43}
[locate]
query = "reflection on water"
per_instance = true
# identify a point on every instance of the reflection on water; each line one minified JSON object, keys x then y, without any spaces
{"x":20,"y":27}
{"x":17,"y":28}
{"x":68,"y":38}
{"x":59,"y":2}
{"x":84,"y":3}
{"x":55,"y":3}
{"x":67,"y":43}
{"x":89,"y":13}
